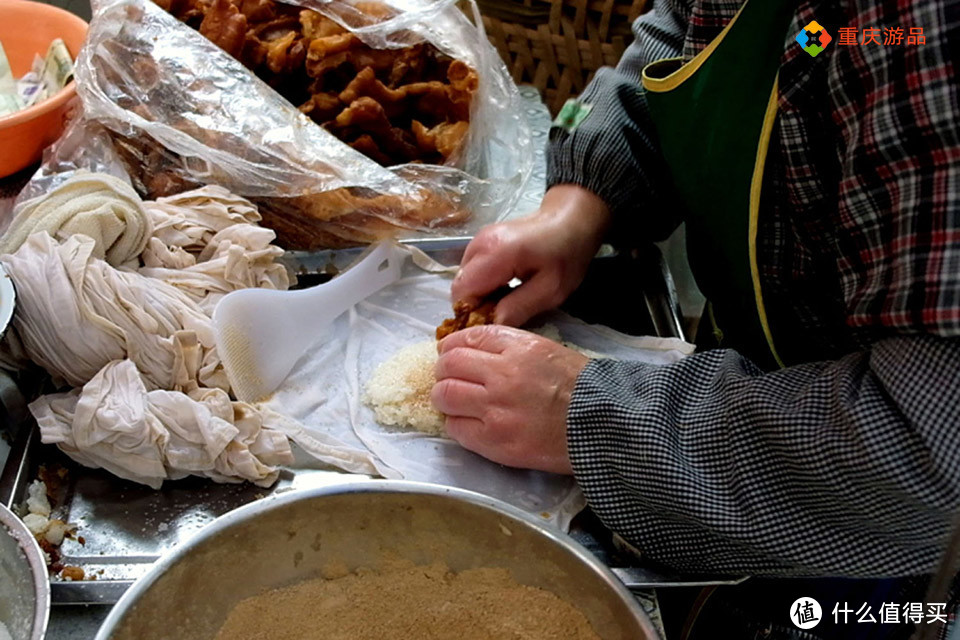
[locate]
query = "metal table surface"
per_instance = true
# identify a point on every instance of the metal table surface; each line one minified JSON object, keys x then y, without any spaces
{"x":127,"y":527}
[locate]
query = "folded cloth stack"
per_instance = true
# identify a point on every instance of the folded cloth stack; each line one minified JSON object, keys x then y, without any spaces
{"x":97,"y":205}
{"x":154,"y":402}
{"x":206,"y":243}
{"x":75,"y":314}
{"x":151,"y":436}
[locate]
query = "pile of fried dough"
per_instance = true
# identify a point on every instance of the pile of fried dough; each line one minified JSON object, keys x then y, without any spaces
{"x":395,"y":106}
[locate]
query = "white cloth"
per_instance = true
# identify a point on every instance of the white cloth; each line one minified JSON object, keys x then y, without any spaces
{"x":154,"y":402}
{"x":96,"y":205}
{"x":206,"y":243}
{"x":76,"y":313}
{"x":190,"y":219}
{"x":150,"y":436}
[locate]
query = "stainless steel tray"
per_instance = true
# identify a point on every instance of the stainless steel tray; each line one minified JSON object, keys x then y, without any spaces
{"x":126,"y":527}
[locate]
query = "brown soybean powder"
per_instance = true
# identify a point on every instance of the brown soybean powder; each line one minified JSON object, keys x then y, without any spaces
{"x":408,"y":601}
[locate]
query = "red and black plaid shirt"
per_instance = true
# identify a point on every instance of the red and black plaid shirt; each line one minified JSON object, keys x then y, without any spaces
{"x":861,"y":222}
{"x":849,"y":462}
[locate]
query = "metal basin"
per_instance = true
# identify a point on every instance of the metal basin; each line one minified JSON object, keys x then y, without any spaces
{"x":289,"y":538}
{"x":24,"y":586}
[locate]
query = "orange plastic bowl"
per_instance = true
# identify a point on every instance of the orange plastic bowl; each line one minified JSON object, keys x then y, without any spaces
{"x":26,"y":29}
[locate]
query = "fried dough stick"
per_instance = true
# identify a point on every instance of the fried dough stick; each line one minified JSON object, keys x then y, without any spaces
{"x":471,"y":315}
{"x":392,"y":100}
{"x":367,"y":115}
{"x":445,"y":138}
{"x":225,"y":26}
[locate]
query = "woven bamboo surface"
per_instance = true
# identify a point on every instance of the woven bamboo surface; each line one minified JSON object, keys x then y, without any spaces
{"x":557,"y":45}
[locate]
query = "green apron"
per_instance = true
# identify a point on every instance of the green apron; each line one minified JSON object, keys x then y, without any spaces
{"x":714,"y":116}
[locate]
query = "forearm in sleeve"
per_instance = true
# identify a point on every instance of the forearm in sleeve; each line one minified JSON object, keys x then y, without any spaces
{"x":613,"y":151}
{"x":850,"y":467}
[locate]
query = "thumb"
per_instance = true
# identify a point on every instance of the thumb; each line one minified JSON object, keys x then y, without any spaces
{"x":540,"y":293}
{"x":479,"y":277}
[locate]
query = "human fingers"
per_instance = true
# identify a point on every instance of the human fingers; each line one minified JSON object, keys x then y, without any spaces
{"x":492,"y":338}
{"x":480,"y":276}
{"x":490,"y":239}
{"x":539,"y":293}
{"x":472,"y":365}
{"x":454,"y":397}
{"x":504,"y":446}
{"x":464,"y":430}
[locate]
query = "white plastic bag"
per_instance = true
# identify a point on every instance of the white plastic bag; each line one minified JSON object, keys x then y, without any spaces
{"x":182,"y":112}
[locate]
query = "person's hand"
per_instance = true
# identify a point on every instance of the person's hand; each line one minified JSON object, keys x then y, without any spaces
{"x":549,"y":251}
{"x":505,"y":393}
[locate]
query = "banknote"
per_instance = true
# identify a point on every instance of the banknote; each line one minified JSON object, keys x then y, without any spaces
{"x":30,"y":87}
{"x":9,"y":103}
{"x":8,"y":83}
{"x":57,"y":67}
{"x":9,"y":100}
{"x":47,"y":76}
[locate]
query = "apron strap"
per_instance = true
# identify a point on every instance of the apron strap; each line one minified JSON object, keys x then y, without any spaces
{"x":714,"y":117}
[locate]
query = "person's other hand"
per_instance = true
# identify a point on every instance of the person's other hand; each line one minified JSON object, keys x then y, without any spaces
{"x":549,"y":251}
{"x":505,"y":393}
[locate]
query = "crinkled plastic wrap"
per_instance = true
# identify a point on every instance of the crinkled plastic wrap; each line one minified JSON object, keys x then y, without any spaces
{"x":182,"y":112}
{"x":84,"y":146}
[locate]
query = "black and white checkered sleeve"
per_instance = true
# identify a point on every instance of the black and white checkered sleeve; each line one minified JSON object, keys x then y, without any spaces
{"x":613,"y":151}
{"x":850,"y":467}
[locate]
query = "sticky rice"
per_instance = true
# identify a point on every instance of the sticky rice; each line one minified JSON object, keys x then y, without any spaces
{"x":399,"y":389}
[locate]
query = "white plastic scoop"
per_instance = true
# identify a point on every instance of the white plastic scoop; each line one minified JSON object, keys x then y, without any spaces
{"x":261,"y":333}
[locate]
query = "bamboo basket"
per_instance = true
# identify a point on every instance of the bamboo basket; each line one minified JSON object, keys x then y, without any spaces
{"x":557,"y":45}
